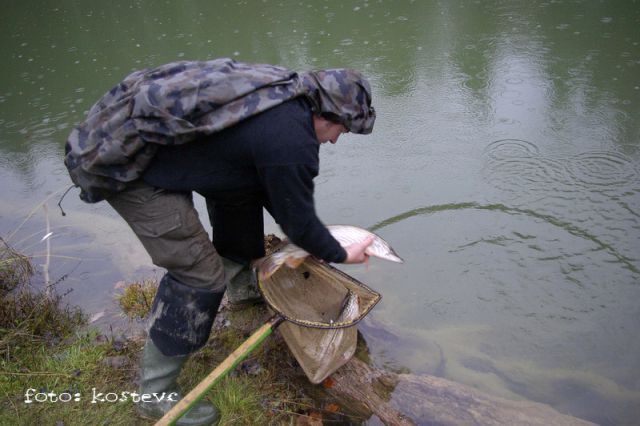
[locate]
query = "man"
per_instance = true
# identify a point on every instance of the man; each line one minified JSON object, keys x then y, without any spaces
{"x":245,"y":136}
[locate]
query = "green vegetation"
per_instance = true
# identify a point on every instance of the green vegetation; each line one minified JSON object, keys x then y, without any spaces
{"x":49,"y":358}
{"x":60,"y":381}
{"x":15,"y":269}
{"x":27,"y":316}
{"x":54,"y":369}
{"x":137,"y":297}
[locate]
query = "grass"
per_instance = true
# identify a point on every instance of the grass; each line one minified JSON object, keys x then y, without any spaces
{"x":238,"y":402}
{"x":267,"y":388}
{"x":69,"y":371}
{"x":137,"y":297}
{"x":47,"y":351}
{"x":27,"y":317}
{"x":15,"y":268}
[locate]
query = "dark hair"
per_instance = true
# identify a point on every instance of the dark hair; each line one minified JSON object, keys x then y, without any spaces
{"x":334,"y":118}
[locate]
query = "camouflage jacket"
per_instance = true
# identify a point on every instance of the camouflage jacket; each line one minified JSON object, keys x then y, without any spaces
{"x":183,"y":101}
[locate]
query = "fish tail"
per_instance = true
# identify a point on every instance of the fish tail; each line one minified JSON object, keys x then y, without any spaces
{"x":267,"y":266}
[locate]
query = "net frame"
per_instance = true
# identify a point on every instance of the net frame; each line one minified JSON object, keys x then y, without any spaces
{"x":335,"y":285}
{"x":319,"y":345}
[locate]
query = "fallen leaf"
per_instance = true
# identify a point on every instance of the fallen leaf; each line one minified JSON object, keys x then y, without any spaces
{"x":96,"y":316}
{"x":316,"y":415}
{"x":119,"y":361}
{"x":314,"y":418}
{"x":332,"y":408}
{"x":328,"y":383}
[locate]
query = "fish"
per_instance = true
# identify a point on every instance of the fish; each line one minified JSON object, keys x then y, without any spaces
{"x":326,"y":349}
{"x":293,"y":256}
{"x":328,"y":344}
{"x":349,"y":309}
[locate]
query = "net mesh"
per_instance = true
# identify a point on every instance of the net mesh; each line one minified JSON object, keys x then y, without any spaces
{"x":322,"y":306}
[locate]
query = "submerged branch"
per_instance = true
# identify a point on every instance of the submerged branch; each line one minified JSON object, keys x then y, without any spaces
{"x":47,"y":263}
{"x":32,"y":212}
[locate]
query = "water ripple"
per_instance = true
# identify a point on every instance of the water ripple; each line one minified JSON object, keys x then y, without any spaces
{"x":511,"y":163}
{"x":602,"y":168}
{"x":511,"y":148}
{"x":625,"y":262}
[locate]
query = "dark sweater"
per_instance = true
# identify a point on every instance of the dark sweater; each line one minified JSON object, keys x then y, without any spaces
{"x":275,"y":152}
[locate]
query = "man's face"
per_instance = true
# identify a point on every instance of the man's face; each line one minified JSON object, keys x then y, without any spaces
{"x":327,"y":131}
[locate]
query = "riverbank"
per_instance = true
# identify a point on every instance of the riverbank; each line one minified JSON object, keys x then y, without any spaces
{"x":57,"y":369}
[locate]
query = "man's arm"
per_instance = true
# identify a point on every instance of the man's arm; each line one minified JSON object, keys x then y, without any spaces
{"x":290,"y":192}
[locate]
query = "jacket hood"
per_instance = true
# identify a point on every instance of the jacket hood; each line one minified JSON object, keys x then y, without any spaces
{"x":344,"y":93}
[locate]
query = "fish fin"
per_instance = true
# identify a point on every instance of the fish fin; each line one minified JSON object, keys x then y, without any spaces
{"x":392,"y":256}
{"x":268,"y":266}
{"x":294,"y":262}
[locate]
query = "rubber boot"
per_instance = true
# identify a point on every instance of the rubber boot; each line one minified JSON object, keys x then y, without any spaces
{"x":159,"y":374}
{"x":242,"y":286}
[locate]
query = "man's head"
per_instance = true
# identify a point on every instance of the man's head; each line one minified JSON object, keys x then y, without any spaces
{"x":341,"y":96}
{"x":327,"y":130}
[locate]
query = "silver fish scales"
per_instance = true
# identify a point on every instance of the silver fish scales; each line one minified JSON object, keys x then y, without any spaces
{"x":349,"y":309}
{"x":293,"y":256}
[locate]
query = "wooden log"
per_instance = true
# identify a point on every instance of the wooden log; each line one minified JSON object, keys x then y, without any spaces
{"x":364,"y":391}
{"x":406,"y":399}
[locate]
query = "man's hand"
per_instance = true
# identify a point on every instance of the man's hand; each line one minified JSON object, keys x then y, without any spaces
{"x":356,"y":251}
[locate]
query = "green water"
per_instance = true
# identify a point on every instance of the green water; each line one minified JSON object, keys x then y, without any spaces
{"x":504,"y":168}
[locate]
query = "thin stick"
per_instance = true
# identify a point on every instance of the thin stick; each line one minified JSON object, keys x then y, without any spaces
{"x":32,"y":212}
{"x":13,"y":405}
{"x":300,"y":404}
{"x":61,"y":256}
{"x":47,"y":278}
{"x":225,"y":366}
{"x":38,"y":233}
{"x":35,"y":373}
